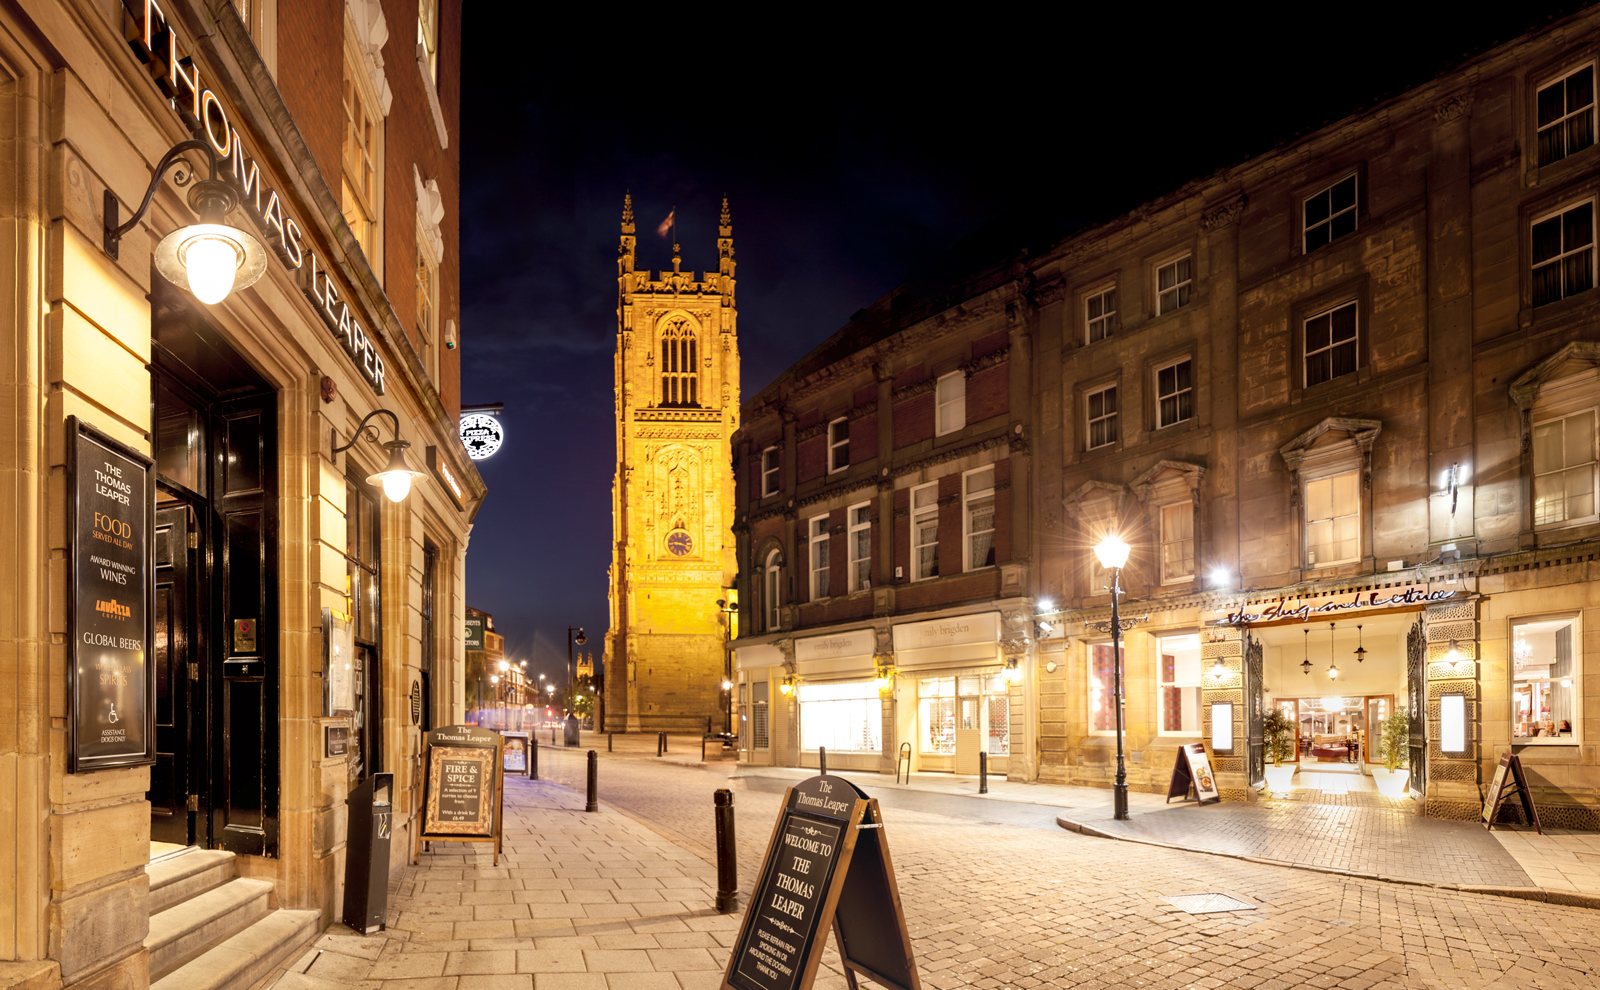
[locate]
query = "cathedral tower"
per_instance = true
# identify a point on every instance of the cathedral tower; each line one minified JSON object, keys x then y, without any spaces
{"x":672,"y":556}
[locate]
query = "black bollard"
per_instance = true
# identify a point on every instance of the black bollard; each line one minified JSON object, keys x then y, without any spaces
{"x":822,"y":759}
{"x":727,"y":854}
{"x":608,"y":742}
{"x":594,"y":773}
{"x":533,"y":758}
{"x":661,"y":743}
{"x":552,"y":735}
{"x":702,"y":749}
{"x":983,"y":773}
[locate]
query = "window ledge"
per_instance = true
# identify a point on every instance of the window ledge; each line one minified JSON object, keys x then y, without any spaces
{"x":1545,"y":742}
{"x":433,"y":96}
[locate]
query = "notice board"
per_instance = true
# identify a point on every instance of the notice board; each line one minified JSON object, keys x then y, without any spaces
{"x":111,"y":522}
{"x":827,"y":865}
{"x":463,"y":787}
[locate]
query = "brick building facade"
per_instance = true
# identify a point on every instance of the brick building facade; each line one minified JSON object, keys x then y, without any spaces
{"x":1339,"y":398}
{"x":304,"y":628}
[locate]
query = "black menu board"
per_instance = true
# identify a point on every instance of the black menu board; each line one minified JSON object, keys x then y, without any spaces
{"x":827,"y":842}
{"x":110,"y":584}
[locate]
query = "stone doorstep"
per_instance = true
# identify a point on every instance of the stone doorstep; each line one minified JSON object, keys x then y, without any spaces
{"x":42,"y":975}
{"x":1544,"y":894}
{"x":244,"y":959}
{"x":186,"y":930}
{"x":175,"y":880}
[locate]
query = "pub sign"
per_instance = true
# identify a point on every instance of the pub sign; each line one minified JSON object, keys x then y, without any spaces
{"x":111,"y":683}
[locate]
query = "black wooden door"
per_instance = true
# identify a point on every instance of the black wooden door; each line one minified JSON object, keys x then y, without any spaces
{"x":244,"y":805}
{"x":176,"y":664}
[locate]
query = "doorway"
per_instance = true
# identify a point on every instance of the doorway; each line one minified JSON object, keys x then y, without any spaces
{"x":215,"y":781}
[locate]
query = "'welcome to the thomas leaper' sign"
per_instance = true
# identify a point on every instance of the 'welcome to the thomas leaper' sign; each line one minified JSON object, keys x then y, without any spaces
{"x":153,"y":40}
{"x":1282,"y":610}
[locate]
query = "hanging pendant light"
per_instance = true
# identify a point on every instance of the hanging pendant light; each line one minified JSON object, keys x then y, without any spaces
{"x":1305,"y":664}
{"x":1333,"y":668}
{"x":1361,"y":651}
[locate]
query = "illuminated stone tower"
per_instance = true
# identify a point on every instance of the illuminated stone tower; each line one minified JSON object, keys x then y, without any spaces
{"x":672,"y":553}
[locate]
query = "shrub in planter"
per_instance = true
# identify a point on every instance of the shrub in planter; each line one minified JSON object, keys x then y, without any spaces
{"x":1277,"y":730}
{"x":1395,"y":741}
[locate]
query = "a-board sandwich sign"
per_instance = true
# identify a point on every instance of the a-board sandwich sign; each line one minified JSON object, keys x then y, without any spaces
{"x":827,"y":865}
{"x":1509,"y":780}
{"x":1193,"y":769}
{"x":515,"y":757}
{"x":462,"y":764}
{"x":111,"y":684}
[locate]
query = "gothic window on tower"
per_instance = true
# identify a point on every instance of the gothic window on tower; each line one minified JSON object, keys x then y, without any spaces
{"x":679,"y":380}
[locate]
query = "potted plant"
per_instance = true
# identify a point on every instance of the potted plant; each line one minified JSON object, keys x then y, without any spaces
{"x":1277,"y":731}
{"x":1394,"y":744}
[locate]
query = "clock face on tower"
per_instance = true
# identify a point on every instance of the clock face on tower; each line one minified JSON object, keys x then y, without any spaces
{"x":679,"y":543}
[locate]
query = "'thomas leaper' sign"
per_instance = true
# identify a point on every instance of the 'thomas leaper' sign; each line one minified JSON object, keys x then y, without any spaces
{"x":1282,"y":610}
{"x":154,"y":42}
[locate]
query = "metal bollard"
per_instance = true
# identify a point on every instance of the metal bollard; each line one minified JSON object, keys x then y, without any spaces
{"x":822,"y":760}
{"x":727,"y":854}
{"x":983,"y":773}
{"x":594,"y":773}
{"x":533,"y":758}
{"x":702,"y":749}
{"x":661,"y":743}
{"x":608,"y":742}
{"x":552,"y":735}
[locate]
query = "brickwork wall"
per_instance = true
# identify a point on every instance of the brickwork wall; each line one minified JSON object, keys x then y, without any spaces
{"x":311,"y":77}
{"x":913,"y":420}
{"x":812,"y":455}
{"x":989,"y":392}
{"x":864,"y":438}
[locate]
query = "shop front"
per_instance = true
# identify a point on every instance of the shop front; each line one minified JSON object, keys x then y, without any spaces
{"x":928,"y":696}
{"x":224,"y":611}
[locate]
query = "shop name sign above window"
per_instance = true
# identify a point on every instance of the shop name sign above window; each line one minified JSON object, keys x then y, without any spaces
{"x":1282,"y":611}
{"x":178,"y":77}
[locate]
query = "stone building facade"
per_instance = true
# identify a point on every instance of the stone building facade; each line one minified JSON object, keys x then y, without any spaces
{"x":1337,"y":395}
{"x":306,"y":628}
{"x":677,"y":404}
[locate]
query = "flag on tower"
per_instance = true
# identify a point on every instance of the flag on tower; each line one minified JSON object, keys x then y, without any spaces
{"x":666,"y":224}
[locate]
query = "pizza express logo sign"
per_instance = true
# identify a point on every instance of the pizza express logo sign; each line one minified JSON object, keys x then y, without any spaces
{"x":156,"y":44}
{"x":482,"y":435}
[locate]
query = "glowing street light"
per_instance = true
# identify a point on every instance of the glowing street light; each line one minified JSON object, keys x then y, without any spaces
{"x":1113,"y":553}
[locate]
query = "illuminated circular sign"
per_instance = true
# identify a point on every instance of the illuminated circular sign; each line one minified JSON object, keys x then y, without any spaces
{"x":481,"y":434}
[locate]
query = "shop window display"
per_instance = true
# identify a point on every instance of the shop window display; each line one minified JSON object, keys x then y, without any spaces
{"x":844,"y":718}
{"x":1544,"y":685}
{"x":1179,"y":673}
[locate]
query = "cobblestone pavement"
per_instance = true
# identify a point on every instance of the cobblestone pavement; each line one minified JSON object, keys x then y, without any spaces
{"x":1386,"y":841}
{"x":621,"y":900}
{"x":1002,"y":905}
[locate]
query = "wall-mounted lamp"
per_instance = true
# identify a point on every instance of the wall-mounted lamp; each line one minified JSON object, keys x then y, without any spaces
{"x":210,"y":258}
{"x":1219,"y":670}
{"x":1454,"y":656}
{"x":787,"y":687}
{"x":1220,"y":577}
{"x":396,"y":477}
{"x":1013,"y":671}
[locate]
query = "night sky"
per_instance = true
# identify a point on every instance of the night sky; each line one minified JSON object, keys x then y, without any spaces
{"x":856,"y":157}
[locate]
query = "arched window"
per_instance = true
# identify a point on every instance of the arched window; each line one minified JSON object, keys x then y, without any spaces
{"x":772,"y":589}
{"x":679,"y":380}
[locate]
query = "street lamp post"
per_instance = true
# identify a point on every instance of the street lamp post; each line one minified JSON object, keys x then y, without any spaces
{"x":1113,"y":553}
{"x":572,"y":668}
{"x":728,"y":611}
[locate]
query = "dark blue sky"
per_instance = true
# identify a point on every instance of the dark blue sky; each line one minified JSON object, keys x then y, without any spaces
{"x":856,"y":156}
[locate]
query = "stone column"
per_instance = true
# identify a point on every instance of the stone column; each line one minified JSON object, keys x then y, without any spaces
{"x":1452,"y":781}
{"x":1233,"y":772}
